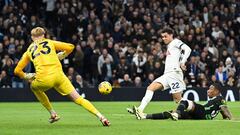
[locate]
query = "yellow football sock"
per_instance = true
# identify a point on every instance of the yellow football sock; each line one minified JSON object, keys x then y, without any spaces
{"x":87,"y":105}
{"x":42,"y":97}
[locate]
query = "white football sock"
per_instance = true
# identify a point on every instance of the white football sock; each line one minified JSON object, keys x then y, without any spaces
{"x":99,"y":115}
{"x":146,"y":99}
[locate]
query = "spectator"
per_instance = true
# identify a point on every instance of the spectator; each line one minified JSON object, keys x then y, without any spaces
{"x":206,"y":15}
{"x":102,"y":58}
{"x":94,"y":74}
{"x":221,"y":75}
{"x":231,"y":47}
{"x":9,"y":67}
{"x":149,"y":79}
{"x":231,"y":80}
{"x":197,"y":23}
{"x":229,"y":67}
{"x":192,"y":68}
{"x":122,"y":68}
{"x":88,"y":51}
{"x":221,"y":47}
{"x":127,"y":82}
{"x":212,"y":49}
{"x":80,"y":84}
{"x":217,"y":33}
{"x":108,"y":70}
{"x":50,"y":14}
{"x":78,"y":59}
{"x":150,"y":64}
{"x":237,"y":66}
{"x":180,"y":8}
{"x":202,"y":81}
{"x":137,"y":82}
{"x":123,"y":28}
{"x":5,"y":81}
{"x":72,"y":74}
{"x":158,"y":69}
{"x":202,"y":65}
{"x":214,"y":79}
{"x":139,"y":62}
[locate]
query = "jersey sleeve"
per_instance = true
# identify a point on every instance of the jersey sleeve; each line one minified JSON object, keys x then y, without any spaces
{"x":178,"y":44}
{"x":62,"y":46}
{"x":186,"y":54}
{"x":21,"y":65}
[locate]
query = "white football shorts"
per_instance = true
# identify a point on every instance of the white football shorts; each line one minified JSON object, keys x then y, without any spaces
{"x":173,"y":80}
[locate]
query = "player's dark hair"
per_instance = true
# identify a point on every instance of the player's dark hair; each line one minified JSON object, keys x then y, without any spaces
{"x":167,"y":30}
{"x":218,"y":86}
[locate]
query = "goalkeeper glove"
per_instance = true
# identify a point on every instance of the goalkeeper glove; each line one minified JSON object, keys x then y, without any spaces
{"x":29,"y":76}
{"x":61,"y":55}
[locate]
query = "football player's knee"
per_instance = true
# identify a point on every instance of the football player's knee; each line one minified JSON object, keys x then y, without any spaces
{"x":188,"y":104}
{"x":177,"y":99}
{"x":79,"y":100}
{"x":184,"y":102}
{"x":35,"y":91}
{"x":155,"y":86}
{"x":150,"y":88}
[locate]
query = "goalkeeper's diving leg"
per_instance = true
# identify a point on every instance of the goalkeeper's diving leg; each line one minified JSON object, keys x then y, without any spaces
{"x":88,"y":106}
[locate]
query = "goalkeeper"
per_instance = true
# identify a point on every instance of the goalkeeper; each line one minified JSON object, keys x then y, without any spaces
{"x":190,"y":110}
{"x":49,"y":73}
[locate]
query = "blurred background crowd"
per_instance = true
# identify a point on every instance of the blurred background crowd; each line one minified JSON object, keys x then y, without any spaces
{"x":119,"y":40}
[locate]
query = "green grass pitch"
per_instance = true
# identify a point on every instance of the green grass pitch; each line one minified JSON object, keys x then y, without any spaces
{"x":32,"y":119}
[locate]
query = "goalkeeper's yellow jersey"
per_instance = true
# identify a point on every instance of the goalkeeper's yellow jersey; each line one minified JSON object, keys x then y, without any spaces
{"x":43,"y":54}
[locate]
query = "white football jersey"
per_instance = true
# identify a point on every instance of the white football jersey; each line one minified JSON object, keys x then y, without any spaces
{"x":175,"y":55}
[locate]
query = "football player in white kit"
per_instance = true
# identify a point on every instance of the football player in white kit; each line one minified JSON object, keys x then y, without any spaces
{"x":176,"y":56}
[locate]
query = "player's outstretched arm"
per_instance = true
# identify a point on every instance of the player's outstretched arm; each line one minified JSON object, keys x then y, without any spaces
{"x":187,"y":51}
{"x":21,"y":65}
{"x":226,"y":114}
{"x":65,"y":48}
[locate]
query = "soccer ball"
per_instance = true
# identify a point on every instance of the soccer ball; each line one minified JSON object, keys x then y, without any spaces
{"x":105,"y":88}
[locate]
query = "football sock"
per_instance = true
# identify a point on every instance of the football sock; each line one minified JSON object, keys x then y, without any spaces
{"x":163,"y":115}
{"x":181,"y":107}
{"x":42,"y":97}
{"x":146,"y":99}
{"x":88,"y":106}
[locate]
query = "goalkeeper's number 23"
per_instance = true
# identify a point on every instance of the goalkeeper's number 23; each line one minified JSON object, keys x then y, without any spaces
{"x":45,"y":50}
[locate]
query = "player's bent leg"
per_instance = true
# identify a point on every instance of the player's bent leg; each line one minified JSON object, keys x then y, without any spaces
{"x":149,"y":94}
{"x":83,"y":102}
{"x":43,"y":99}
{"x":184,"y":105}
{"x":177,"y":97}
{"x":88,"y":106}
{"x":162,"y":115}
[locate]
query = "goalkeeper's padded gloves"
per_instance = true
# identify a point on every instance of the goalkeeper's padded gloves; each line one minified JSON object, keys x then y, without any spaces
{"x":61,"y":55}
{"x":29,"y":76}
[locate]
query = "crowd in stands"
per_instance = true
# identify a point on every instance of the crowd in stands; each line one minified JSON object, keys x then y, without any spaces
{"x":119,"y":40}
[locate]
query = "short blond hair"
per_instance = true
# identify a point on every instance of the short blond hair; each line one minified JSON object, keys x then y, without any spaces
{"x":38,"y":31}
